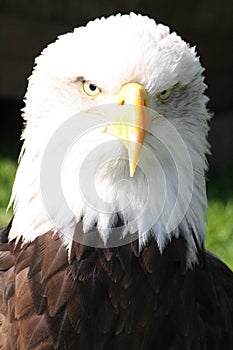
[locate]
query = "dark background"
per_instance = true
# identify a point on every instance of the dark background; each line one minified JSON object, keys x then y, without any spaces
{"x":27,"y":27}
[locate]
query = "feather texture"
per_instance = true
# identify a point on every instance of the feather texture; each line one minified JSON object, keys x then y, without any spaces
{"x":113,"y":298}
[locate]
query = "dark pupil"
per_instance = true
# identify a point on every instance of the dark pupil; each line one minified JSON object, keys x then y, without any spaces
{"x":92,"y":87}
{"x":163,"y":92}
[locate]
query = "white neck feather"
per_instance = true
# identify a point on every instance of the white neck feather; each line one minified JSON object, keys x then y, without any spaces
{"x":165,"y":198}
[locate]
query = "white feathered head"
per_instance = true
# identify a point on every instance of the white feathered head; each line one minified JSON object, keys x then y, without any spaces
{"x":115,"y":130}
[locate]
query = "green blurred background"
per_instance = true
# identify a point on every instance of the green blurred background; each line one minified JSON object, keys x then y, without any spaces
{"x":26,"y":27}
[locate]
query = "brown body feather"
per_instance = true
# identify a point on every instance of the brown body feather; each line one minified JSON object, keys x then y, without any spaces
{"x":106,"y":299}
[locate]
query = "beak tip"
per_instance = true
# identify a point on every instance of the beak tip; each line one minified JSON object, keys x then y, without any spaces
{"x":132,"y":169}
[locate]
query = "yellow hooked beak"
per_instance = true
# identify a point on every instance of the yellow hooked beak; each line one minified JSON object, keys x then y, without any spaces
{"x":132,"y":121}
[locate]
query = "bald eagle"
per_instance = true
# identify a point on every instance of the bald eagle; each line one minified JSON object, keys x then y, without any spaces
{"x":106,"y":246}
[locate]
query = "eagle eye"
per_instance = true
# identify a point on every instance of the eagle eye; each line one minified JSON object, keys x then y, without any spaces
{"x":164,"y":95}
{"x":90,"y":88}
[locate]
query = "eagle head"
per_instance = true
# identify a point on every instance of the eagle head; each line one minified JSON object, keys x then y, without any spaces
{"x":115,"y":138}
